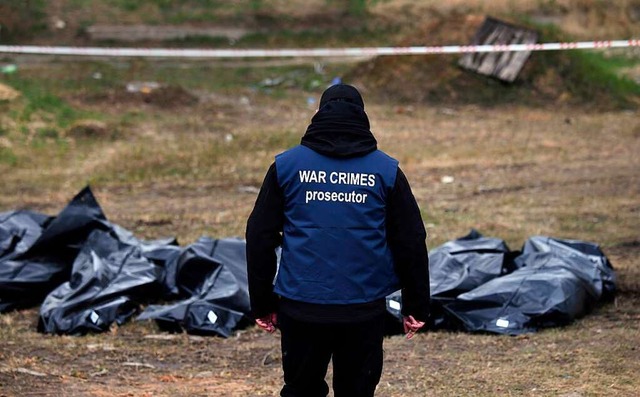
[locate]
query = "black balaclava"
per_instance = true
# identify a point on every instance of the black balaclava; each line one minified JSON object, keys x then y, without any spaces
{"x":341,"y":92}
{"x":340,"y":128}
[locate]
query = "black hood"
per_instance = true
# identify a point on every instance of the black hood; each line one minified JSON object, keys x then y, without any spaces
{"x":340,"y":129}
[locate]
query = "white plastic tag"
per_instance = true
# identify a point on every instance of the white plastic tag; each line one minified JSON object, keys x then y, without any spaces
{"x":502,"y":323}
{"x":212,"y":317}
{"x":94,"y":317}
{"x":395,"y":305}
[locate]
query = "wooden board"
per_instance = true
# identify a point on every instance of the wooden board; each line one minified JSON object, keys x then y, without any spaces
{"x":504,"y":66}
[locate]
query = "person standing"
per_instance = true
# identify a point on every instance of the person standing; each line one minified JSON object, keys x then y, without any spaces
{"x":351,"y":233}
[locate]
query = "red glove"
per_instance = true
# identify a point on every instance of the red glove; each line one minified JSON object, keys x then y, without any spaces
{"x":411,"y":326}
{"x":268,"y":322}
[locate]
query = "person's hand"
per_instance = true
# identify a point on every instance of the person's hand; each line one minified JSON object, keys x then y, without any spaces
{"x":268,"y":322}
{"x":411,"y":326}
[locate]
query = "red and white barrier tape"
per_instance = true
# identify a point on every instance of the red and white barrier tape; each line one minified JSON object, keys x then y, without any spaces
{"x":311,"y":52}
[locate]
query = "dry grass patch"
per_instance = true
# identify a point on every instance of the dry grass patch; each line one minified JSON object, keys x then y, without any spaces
{"x":517,"y":172}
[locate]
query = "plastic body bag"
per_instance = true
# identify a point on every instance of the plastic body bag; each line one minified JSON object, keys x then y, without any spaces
{"x":478,"y":285}
{"x":108,"y":281}
{"x":211,"y":275}
{"x":37,"y":252}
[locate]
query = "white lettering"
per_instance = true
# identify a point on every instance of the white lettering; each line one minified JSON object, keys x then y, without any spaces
{"x":342,"y":178}
{"x":342,"y":197}
{"x":310,"y":176}
{"x":313,"y":177}
{"x":354,"y":179}
{"x":347,"y":178}
{"x":333,"y":177}
{"x":322,"y":175}
{"x":304,"y":176}
{"x":363,"y":179}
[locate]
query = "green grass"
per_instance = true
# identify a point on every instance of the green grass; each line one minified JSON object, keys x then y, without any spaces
{"x":588,"y":75}
{"x":55,"y":99}
{"x":594,"y":71}
{"x":35,"y":125}
{"x":7,"y":157}
{"x":24,"y":19}
{"x":188,"y":11}
{"x":39,"y":101}
{"x":221,"y":78}
{"x":223,"y":11}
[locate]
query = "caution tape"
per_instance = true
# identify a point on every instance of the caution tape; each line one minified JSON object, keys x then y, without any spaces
{"x":311,"y":52}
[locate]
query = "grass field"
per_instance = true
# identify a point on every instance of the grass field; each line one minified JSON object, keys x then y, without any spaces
{"x":186,"y":161}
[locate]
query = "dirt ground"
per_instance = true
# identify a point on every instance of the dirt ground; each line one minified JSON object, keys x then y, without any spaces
{"x":517,"y":172}
{"x":188,"y":162}
{"x":596,"y":356}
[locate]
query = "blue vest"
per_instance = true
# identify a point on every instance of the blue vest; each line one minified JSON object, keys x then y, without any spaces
{"x":334,"y":248}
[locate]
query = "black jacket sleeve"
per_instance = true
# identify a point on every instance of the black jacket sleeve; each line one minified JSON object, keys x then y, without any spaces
{"x":406,"y":236}
{"x":264,"y":235}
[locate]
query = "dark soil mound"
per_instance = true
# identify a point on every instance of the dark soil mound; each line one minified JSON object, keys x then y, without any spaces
{"x":169,"y":96}
{"x":165,"y":97}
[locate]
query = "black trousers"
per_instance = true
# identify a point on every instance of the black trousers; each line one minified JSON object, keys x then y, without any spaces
{"x":307,"y":348}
